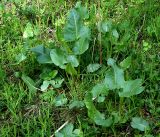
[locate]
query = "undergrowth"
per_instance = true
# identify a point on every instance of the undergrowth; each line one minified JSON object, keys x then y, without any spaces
{"x":74,"y":69}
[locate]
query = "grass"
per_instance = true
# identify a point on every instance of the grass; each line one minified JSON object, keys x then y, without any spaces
{"x":30,"y":114}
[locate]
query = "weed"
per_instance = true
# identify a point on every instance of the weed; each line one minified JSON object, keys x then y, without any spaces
{"x":67,"y":68}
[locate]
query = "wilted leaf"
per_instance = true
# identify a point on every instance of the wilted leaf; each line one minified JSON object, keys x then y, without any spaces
{"x":140,"y":124}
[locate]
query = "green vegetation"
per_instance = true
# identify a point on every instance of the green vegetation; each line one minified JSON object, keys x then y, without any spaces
{"x":79,"y":69}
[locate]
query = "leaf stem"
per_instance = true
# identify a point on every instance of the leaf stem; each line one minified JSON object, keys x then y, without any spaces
{"x":121,"y":108}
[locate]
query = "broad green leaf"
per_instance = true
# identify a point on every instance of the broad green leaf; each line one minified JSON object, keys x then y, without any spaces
{"x":56,"y":83}
{"x":99,"y":89}
{"x":110,"y":80}
{"x":59,"y":134}
{"x":111,"y":62}
{"x":53,"y":74}
{"x":20,"y":57}
{"x":75,"y":28}
{"x":17,"y":74}
{"x":78,"y":133}
{"x":73,"y":60}
{"x":72,"y":28}
{"x":44,"y":58}
{"x":38,"y":49}
{"x":28,"y":32}
{"x":104,"y":26}
{"x":148,"y":135}
{"x":83,"y":12}
{"x":101,"y":99}
{"x":29,"y":82}
{"x":84,"y":32}
{"x":58,"y":57}
{"x":140,"y":124}
{"x":43,"y":54}
{"x":93,"y":67}
{"x":146,"y":46}
{"x":45,"y":85}
{"x":126,"y":63}
{"x":94,"y":114}
{"x":115,"y":34}
{"x":48,"y":96}
{"x":2,"y":7}
{"x":68,"y":131}
{"x":116,"y":78}
{"x":48,"y":74}
{"x":116,"y":117}
{"x":76,"y":31}
{"x":131,"y":88}
{"x":60,"y":100}
{"x":70,"y":69}
{"x":81,"y":46}
{"x":76,"y":104}
{"x":107,"y":26}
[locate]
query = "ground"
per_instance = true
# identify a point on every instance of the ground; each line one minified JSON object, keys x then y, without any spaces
{"x":96,"y":52}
